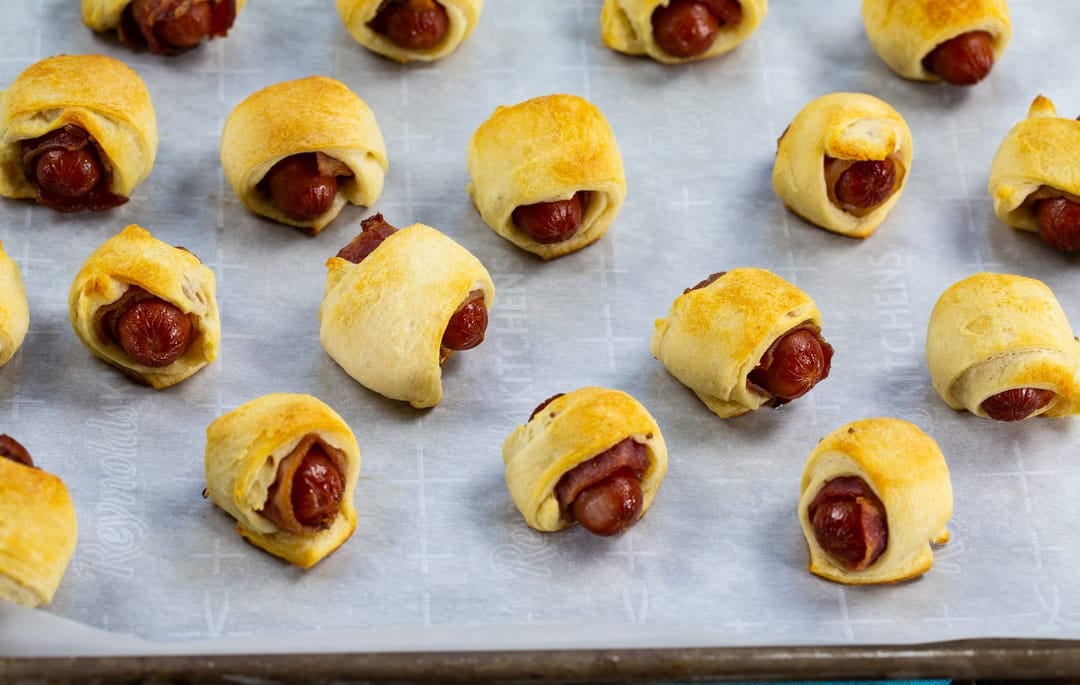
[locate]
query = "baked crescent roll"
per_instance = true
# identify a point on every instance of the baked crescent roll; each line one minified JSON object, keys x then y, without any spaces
{"x":162,"y":26}
{"x":1035,"y":175}
{"x":383,"y":320}
{"x":905,"y":34}
{"x":578,"y":451}
{"x":285,"y":467}
{"x":296,"y":151}
{"x":14,"y":309}
{"x":743,"y":339}
{"x":843,"y":162}
{"x":1001,"y":347}
{"x":76,"y":132}
{"x":407,"y":30}
{"x":674,"y":31}
{"x":147,"y":308}
{"x":546,"y":174}
{"x":38,"y":528}
{"x":875,"y":494}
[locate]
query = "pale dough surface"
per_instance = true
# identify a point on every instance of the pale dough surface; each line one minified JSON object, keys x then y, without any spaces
{"x":994,"y":332}
{"x":906,"y":470}
{"x":14,"y":308}
{"x":357,"y":14}
{"x":569,"y":431}
{"x":1042,"y":150}
{"x":113,"y":107}
{"x":243,"y":451}
{"x":849,"y":126}
{"x":38,"y":531}
{"x":313,"y":114}
{"x":104,"y":15}
{"x":383,"y":320}
{"x":713,"y":337}
{"x":626,"y":26}
{"x":133,"y":257}
{"x":904,"y":32}
{"x":542,"y":150}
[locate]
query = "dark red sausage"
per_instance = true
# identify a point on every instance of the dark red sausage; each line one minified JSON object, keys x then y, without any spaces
{"x":299,"y":189}
{"x":374,"y":230}
{"x":1059,"y":223}
{"x":793,"y":364}
{"x":706,"y":282}
{"x":964,"y":60}
{"x":306,"y":494}
{"x":849,"y":522}
{"x":688,"y":28}
{"x":1017,"y":404}
{"x":604,"y":493}
{"x":858,"y":188}
{"x":171,"y":27}
{"x":65,"y":168}
{"x":12,"y":449}
{"x":540,"y":407}
{"x":153,"y":332}
{"x":551,"y":222}
{"x":412,"y":24}
{"x":467,"y":325}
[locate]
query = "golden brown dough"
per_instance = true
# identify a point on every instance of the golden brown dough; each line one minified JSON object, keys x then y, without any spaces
{"x":904,"y":32}
{"x":112,"y":106}
{"x":14,"y":308}
{"x":543,"y":150}
{"x":308,"y":115}
{"x":570,"y":430}
{"x":244,"y":449}
{"x":357,"y":15}
{"x":38,"y":531}
{"x":990,"y":333}
{"x":626,"y":26}
{"x":135,"y":259}
{"x":841,"y":126}
{"x":905,"y":469}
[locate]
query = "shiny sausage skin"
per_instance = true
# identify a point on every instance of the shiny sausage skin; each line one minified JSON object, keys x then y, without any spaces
{"x":688,"y":28}
{"x":552,"y":222}
{"x":64,"y":167}
{"x":964,"y":60}
{"x":411,"y":24}
{"x":306,"y":494}
{"x":1017,"y":404}
{"x":849,"y":522}
{"x":374,"y":230}
{"x":151,"y":331}
{"x":1059,"y":223}
{"x":793,"y":364}
{"x":12,"y":449}
{"x":468,"y":324}
{"x":604,"y":493}
{"x":171,"y":27}
{"x":860,"y":187}
{"x":303,"y":186}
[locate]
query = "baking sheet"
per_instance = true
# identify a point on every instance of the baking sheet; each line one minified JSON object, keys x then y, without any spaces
{"x":441,"y":559}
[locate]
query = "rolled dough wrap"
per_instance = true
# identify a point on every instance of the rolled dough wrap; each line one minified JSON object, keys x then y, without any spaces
{"x":1042,"y":150}
{"x":570,"y":430}
{"x":243,"y":451}
{"x":714,"y":336}
{"x":383,"y":320}
{"x":133,"y":257}
{"x":904,"y":32}
{"x":626,"y":26}
{"x":100,"y":95}
{"x":990,"y":333}
{"x":542,"y":150}
{"x":14,"y":308}
{"x":845,"y":126}
{"x":905,"y":468}
{"x":38,"y":531}
{"x":313,"y":114}
{"x":104,"y":15}
{"x":462,"y":16}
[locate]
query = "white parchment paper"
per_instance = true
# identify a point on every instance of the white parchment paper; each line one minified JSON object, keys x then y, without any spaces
{"x":441,"y":558}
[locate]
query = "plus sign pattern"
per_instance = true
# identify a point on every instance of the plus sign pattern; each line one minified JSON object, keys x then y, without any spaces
{"x":719,"y":559}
